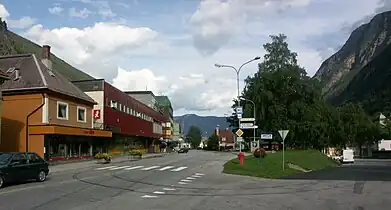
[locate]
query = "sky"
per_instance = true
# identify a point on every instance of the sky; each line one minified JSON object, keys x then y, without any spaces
{"x":170,"y":46}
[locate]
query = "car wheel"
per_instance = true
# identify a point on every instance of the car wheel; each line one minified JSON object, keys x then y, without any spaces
{"x":1,"y":181}
{"x":41,"y":176}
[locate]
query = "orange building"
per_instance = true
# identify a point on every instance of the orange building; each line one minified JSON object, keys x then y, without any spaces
{"x":45,"y":113}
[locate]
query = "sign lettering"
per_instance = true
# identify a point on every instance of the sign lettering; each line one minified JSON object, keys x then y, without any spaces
{"x":97,"y":114}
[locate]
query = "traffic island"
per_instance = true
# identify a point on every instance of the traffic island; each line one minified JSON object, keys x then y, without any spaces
{"x":296,"y":161}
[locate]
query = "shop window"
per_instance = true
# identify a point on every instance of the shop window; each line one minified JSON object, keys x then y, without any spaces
{"x":62,"y":110}
{"x":113,"y":104}
{"x":81,"y":114}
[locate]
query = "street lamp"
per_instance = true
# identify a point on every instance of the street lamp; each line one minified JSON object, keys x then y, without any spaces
{"x":245,"y":99}
{"x":237,"y":81}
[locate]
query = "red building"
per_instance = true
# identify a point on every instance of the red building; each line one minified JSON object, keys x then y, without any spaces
{"x":132,"y":122}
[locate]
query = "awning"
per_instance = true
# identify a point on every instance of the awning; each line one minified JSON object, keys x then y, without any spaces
{"x":67,"y":130}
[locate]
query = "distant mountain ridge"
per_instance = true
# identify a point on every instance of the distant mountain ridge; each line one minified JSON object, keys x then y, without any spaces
{"x":207,"y":124}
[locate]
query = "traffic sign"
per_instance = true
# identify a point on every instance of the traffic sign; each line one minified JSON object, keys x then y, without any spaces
{"x":248,"y":119}
{"x":266,"y":136}
{"x":239,"y":116}
{"x":246,"y":124}
{"x":254,"y":144}
{"x":239,"y":139}
{"x":239,"y":132}
{"x":239,"y":110}
{"x":248,"y":127}
{"x":283,"y":134}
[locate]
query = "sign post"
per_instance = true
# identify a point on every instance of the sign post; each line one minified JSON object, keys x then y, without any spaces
{"x":283,"y":134}
{"x":239,"y":112}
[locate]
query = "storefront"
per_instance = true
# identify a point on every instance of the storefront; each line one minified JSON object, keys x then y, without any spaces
{"x":67,"y":143}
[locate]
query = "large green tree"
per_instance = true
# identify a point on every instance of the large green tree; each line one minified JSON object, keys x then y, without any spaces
{"x":213,"y":142}
{"x":194,"y":136}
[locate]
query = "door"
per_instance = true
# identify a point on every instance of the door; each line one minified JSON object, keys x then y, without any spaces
{"x":36,"y":164}
{"x":18,"y":167}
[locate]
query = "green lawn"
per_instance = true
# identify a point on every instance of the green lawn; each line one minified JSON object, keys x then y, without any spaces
{"x":271,"y":165}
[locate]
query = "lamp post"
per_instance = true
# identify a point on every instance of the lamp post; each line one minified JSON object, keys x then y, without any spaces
{"x":245,"y":99}
{"x":237,"y":81}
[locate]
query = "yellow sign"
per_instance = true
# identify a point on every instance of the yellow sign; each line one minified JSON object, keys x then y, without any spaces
{"x":239,"y":132}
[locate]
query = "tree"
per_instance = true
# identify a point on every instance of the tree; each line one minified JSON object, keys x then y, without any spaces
{"x":194,"y":136}
{"x":213,"y":142}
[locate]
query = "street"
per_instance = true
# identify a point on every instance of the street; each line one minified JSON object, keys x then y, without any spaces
{"x":194,"y":181}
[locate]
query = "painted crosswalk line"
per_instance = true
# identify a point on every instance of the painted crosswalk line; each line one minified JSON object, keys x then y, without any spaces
{"x":117,"y":168}
{"x":150,"y":168}
{"x":185,"y":180}
{"x":182,"y":183}
{"x":159,"y":192}
{"x":165,"y":168}
{"x":149,"y":196}
{"x":103,"y":168}
{"x":190,"y":178}
{"x":179,"y":169}
{"x":134,"y":167}
{"x":169,"y":189}
{"x":199,"y":174}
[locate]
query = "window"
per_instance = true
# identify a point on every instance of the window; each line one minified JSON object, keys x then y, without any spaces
{"x":113,"y":104}
{"x":81,"y":114}
{"x":62,"y":110}
{"x":19,"y":159}
{"x":34,"y":158}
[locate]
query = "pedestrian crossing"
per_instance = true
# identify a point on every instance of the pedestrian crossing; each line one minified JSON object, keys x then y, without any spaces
{"x":143,"y":168}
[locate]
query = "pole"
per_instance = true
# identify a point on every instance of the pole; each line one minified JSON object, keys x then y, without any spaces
{"x":283,"y":154}
{"x":237,"y":81}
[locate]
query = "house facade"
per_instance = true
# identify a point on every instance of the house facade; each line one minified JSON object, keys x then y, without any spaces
{"x":132,"y":122}
{"x":165,"y":105}
{"x":45,"y":113}
{"x":3,"y":77}
{"x":226,"y":138}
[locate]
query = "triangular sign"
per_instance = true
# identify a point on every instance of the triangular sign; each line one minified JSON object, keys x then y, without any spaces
{"x":283,"y":134}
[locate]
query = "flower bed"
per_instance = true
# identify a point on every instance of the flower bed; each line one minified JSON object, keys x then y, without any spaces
{"x":103,"y":158}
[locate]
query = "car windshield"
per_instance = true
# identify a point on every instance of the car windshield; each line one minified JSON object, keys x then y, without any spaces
{"x":4,"y":158}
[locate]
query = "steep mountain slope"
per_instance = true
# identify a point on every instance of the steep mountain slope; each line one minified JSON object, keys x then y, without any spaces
{"x":365,"y":43}
{"x":206,"y":124}
{"x":11,"y":43}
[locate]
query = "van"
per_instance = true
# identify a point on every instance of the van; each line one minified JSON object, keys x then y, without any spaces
{"x":347,"y":156}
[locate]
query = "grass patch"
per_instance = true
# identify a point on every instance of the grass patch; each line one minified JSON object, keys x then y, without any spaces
{"x":271,"y":166}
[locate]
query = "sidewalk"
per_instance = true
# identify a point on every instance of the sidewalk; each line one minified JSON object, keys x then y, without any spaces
{"x":89,"y":163}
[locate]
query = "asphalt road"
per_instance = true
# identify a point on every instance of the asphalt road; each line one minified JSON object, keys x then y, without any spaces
{"x":194,"y":181}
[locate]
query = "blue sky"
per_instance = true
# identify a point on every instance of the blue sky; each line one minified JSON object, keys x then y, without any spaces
{"x":170,"y":46}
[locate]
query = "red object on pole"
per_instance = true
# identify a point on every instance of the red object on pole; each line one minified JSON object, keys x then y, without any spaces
{"x":241,"y":158}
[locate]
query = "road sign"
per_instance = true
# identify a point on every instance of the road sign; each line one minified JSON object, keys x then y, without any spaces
{"x":283,"y":134}
{"x":239,"y":116}
{"x":247,"y":119}
{"x":254,"y":144}
{"x":239,"y":110}
{"x":239,"y":139}
{"x":248,"y":127}
{"x":239,"y":132}
{"x":266,"y":136}
{"x":246,"y":124}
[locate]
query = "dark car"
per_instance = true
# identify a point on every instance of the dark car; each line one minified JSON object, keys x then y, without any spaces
{"x":16,"y":167}
{"x":183,"y":150}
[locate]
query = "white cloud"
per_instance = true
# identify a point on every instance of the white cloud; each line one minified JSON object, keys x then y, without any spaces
{"x":84,"y":13}
{"x":56,"y":10}
{"x":103,"y":8}
{"x":3,"y":12}
{"x":143,"y":79}
{"x":24,"y":22}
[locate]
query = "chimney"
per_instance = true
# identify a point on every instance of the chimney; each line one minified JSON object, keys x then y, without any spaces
{"x":46,"y":57}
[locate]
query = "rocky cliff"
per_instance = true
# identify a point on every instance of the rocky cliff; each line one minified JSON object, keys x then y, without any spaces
{"x":363,"y":45}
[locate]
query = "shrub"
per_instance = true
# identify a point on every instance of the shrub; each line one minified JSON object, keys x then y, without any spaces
{"x":100,"y":156}
{"x":135,"y":152}
{"x":259,"y":153}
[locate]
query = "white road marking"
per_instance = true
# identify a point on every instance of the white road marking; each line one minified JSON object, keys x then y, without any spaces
{"x":121,"y":167}
{"x":165,"y":168}
{"x":198,"y":174}
{"x":179,"y":169}
{"x":182,"y":183}
{"x":149,"y":168}
{"x":149,"y":196}
{"x":185,"y":180}
{"x":134,"y":167}
{"x":169,"y":189}
{"x":159,"y":192}
{"x":105,"y":168}
{"x":195,"y":176}
{"x":191,"y":178}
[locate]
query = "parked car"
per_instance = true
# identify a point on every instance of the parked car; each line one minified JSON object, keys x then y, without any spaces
{"x":183,"y":150}
{"x":16,"y":167}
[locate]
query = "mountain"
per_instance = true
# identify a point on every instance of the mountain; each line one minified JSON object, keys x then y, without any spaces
{"x":361,"y":70}
{"x":364,"y":44}
{"x":207,"y":124}
{"x":12,"y":43}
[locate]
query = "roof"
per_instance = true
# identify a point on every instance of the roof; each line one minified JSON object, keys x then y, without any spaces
{"x":227,"y":134}
{"x":34,"y":75}
{"x":163,"y":100}
{"x":140,"y":92}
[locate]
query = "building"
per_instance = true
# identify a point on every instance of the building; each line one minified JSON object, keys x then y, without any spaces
{"x":176,"y":131}
{"x":145,"y":97}
{"x":133,"y":123}
{"x":165,"y":105}
{"x":3,"y":77}
{"x":45,"y":113}
{"x":226,"y":138}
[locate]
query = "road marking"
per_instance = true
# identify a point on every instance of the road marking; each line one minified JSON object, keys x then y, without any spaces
{"x":105,"y":168}
{"x":191,"y":178}
{"x":185,"y":180}
{"x":165,"y":168}
{"x":112,"y":169}
{"x":169,"y":189}
{"x":198,"y":174}
{"x":149,"y":168}
{"x":149,"y":196}
{"x":182,"y":183}
{"x":179,"y":169}
{"x":195,"y":176}
{"x":134,"y":167}
{"x":159,"y":192}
